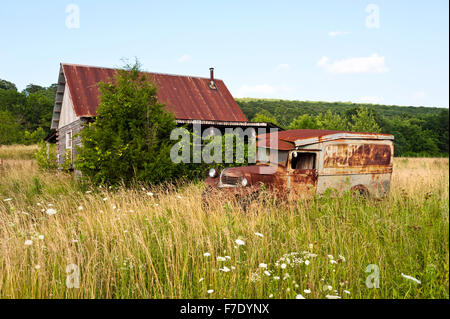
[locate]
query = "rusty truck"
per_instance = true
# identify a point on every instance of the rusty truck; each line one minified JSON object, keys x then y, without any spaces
{"x":301,"y":163}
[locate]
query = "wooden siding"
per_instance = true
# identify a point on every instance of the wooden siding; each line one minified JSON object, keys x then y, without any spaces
{"x":74,"y":127}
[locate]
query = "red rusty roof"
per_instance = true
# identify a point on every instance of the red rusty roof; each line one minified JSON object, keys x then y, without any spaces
{"x":189,"y":98}
{"x":289,"y":139}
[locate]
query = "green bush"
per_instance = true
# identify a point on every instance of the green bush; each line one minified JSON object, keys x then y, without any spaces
{"x":46,"y":158}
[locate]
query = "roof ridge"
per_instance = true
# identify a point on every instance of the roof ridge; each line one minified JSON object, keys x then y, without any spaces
{"x":158,"y":73}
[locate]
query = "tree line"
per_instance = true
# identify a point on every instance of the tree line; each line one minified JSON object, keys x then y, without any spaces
{"x":25,"y":118}
{"x":418,"y":131}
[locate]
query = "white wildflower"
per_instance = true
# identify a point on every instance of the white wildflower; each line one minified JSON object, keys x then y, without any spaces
{"x":219,"y":258}
{"x":225,"y":269}
{"x":306,"y":262}
{"x":41,"y":237}
{"x":74,"y":240}
{"x":342,"y":258}
{"x":262,"y":265}
{"x":80,"y":207}
{"x":37,"y":267}
{"x":210,"y":291}
{"x":179,"y":197}
{"x":149,"y":194}
{"x":28,"y":242}
{"x":228,"y":257}
{"x":239,"y":242}
{"x":330,"y":256}
{"x":7,"y":199}
{"x":276,"y":278}
{"x":88,"y":192}
{"x":332,"y":297}
{"x":51,"y":211}
{"x":333,"y":261}
{"x":299,"y":297}
{"x":267,"y":273}
{"x":25,"y":213}
{"x":201,"y":279}
{"x":105,"y":199}
{"x":283,"y":266}
{"x":271,"y":296}
{"x":311,"y":246}
{"x":347,"y":292}
{"x":259,"y":235}
{"x":50,"y":205}
{"x":206,"y":254}
{"x":307,"y":291}
{"x":412,"y":278}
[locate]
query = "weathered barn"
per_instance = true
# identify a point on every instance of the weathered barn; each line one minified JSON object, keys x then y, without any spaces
{"x":192,"y":100}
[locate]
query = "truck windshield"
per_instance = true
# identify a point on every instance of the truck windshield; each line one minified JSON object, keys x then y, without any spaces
{"x":266,"y":155}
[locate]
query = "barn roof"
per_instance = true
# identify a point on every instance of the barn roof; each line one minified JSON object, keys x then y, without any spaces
{"x":189,"y":98}
{"x":287,"y":140}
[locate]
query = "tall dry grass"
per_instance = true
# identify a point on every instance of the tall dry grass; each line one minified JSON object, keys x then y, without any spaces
{"x":129,"y":243}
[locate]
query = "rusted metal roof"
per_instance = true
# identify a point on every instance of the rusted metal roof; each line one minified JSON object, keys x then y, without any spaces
{"x":189,"y":98}
{"x":286,"y":140}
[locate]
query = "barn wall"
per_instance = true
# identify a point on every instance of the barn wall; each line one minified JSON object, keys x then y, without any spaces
{"x":74,"y":127}
{"x":67,"y":112}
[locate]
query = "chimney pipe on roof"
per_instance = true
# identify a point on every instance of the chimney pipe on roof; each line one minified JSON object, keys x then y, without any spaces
{"x":212,"y":85}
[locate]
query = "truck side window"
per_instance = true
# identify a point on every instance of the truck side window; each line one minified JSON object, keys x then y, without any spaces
{"x":304,"y":161}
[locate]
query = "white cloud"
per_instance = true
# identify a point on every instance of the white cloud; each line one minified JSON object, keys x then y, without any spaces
{"x":262,"y":90}
{"x":371,"y":64}
{"x":370,"y":99}
{"x":283,"y":66}
{"x":337,"y":33}
{"x":184,"y":58}
{"x":323,"y":61}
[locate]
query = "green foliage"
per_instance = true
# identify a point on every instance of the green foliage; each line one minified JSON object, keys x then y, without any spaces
{"x":418,"y":131}
{"x":264,"y":117}
{"x":364,"y":121}
{"x":46,"y":158}
{"x":130,"y":138}
{"x":30,"y":109}
{"x":9,"y":128}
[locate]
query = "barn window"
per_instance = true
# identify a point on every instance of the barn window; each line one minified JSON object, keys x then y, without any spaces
{"x":69,"y":140}
{"x":303,"y":160}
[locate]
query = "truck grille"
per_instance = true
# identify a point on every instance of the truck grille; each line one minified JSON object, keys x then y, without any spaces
{"x":230,"y":180}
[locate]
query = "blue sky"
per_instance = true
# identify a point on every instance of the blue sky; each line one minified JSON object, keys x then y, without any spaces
{"x":306,"y":50}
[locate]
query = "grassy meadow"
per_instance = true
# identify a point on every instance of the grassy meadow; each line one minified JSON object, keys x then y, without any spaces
{"x":161,"y":243}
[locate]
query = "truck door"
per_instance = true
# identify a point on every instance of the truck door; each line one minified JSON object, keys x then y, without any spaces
{"x":302,"y":172}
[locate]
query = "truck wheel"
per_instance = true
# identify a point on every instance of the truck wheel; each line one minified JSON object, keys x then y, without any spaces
{"x":246,"y":201}
{"x":206,"y":196}
{"x":360,"y":191}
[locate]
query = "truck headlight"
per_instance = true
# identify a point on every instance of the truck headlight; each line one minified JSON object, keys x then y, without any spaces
{"x":212,"y":172}
{"x":244,"y":182}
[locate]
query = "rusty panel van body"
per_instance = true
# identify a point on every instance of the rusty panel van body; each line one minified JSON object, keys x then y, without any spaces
{"x":302,"y":163}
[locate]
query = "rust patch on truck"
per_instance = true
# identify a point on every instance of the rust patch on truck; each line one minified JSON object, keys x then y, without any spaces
{"x":354,"y":155}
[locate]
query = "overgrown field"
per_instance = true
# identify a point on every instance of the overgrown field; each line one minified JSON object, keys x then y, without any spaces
{"x":161,"y":243}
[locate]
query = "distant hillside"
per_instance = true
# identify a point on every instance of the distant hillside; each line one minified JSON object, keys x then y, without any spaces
{"x":285,"y":110}
{"x":418,"y":131}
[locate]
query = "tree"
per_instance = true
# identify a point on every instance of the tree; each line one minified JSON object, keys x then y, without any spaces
{"x":305,"y":121}
{"x":9,"y":129}
{"x":332,"y":121}
{"x":265,"y":118}
{"x":130,"y":138}
{"x":6,"y":85}
{"x":364,"y":121}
